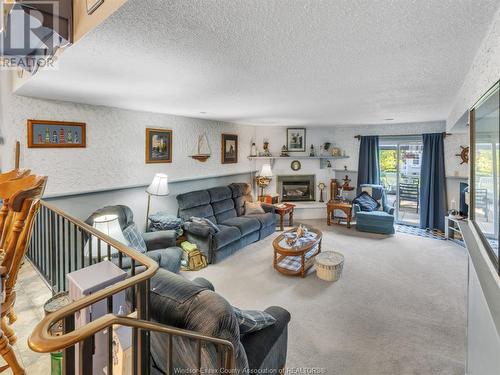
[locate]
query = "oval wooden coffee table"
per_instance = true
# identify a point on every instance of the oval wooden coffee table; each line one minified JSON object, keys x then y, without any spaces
{"x":296,"y":260}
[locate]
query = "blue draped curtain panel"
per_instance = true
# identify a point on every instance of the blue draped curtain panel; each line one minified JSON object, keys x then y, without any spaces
{"x":368,"y":164}
{"x":432,"y":183}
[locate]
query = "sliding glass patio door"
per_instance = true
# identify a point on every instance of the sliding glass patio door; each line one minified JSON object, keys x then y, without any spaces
{"x":400,"y":160}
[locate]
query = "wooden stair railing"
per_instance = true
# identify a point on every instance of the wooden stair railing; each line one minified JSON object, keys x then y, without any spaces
{"x":43,"y":341}
{"x":20,"y":194}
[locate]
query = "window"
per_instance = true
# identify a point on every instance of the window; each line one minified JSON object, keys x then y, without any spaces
{"x":400,"y":158}
{"x":485,"y":170}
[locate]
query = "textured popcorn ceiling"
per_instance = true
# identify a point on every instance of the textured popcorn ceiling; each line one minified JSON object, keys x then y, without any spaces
{"x":276,"y":62}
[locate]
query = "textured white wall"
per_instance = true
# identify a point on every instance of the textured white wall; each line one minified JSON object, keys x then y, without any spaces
{"x":483,"y":73}
{"x":115,"y":152}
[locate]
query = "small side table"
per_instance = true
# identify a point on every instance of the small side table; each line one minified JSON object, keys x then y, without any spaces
{"x":287,"y":208}
{"x":345,"y":207}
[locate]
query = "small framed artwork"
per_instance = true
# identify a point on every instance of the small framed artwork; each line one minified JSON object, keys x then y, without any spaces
{"x":92,"y":5}
{"x":296,"y":139}
{"x":158,"y":145}
{"x":56,"y":134}
{"x":229,"y":148}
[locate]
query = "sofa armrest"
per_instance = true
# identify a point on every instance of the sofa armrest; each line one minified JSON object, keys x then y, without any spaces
{"x":389,"y":209}
{"x":201,"y":281}
{"x":268,"y":207}
{"x":198,"y":229}
{"x":267,"y":347}
{"x":159,"y":240}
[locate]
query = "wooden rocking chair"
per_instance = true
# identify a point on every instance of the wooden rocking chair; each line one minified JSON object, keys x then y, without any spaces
{"x":4,"y":177}
{"x":14,"y":174}
{"x":21,"y":202}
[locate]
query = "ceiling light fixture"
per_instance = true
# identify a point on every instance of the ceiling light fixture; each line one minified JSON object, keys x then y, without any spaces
{"x":388,"y":119}
{"x":203,"y":113}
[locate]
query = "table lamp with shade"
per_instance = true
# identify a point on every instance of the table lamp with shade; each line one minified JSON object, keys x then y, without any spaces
{"x":110,"y":226}
{"x":264,"y":178}
{"x":158,"y":187}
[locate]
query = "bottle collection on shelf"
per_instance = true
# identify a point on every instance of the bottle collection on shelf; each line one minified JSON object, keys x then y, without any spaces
{"x":69,"y":137}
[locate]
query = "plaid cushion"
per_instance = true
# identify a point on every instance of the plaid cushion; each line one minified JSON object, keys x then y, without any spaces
{"x":134,"y":238}
{"x":252,"y":320}
{"x":293,"y":263}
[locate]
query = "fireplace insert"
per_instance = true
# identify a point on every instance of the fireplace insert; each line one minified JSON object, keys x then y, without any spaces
{"x":296,"y":188}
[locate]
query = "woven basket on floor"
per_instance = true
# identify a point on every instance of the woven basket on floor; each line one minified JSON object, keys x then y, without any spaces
{"x":329,"y":265}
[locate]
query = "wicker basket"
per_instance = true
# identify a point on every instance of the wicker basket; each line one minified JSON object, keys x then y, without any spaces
{"x":329,"y":265}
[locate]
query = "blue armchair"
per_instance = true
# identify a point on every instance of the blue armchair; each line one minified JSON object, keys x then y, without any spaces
{"x":381,"y":221}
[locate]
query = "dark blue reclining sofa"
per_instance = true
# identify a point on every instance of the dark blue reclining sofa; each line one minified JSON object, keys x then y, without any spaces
{"x":224,"y":206}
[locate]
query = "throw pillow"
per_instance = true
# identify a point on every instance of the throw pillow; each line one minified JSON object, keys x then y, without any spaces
{"x":213,"y":225}
{"x":253,"y":208}
{"x":165,"y":221}
{"x":253,"y":320}
{"x":134,"y":238}
{"x":366,"y":202}
{"x":369,"y":190}
{"x":205,"y":221}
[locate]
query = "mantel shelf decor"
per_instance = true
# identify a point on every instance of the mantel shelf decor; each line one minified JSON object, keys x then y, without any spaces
{"x":323,"y":160}
{"x":203,"y":151}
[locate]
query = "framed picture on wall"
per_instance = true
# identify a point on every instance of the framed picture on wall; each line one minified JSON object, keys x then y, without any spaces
{"x":56,"y":134}
{"x":158,"y":145}
{"x":296,"y":139}
{"x":229,"y":150}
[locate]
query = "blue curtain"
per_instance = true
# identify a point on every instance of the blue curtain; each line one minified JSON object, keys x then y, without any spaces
{"x":432,"y":183}
{"x":368,"y":164}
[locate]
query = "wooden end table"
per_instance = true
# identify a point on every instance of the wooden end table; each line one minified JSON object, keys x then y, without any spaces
{"x":345,"y":207}
{"x":295,"y":260}
{"x":287,"y":208}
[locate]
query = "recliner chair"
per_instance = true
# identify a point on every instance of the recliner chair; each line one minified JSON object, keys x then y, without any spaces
{"x":195,"y":306}
{"x":380,"y":221}
{"x":161,"y":245}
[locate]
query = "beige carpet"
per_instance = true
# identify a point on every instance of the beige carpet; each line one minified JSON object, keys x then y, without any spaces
{"x":398,"y":309}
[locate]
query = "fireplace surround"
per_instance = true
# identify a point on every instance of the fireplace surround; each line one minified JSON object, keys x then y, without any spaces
{"x":296,"y":188}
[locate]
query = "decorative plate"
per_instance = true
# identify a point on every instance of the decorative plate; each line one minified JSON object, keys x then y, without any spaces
{"x":295,"y":165}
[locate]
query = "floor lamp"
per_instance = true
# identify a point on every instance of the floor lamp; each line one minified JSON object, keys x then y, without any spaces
{"x":158,"y":187}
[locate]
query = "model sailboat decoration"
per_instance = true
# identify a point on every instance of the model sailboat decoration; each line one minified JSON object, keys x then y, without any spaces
{"x":203,"y":150}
